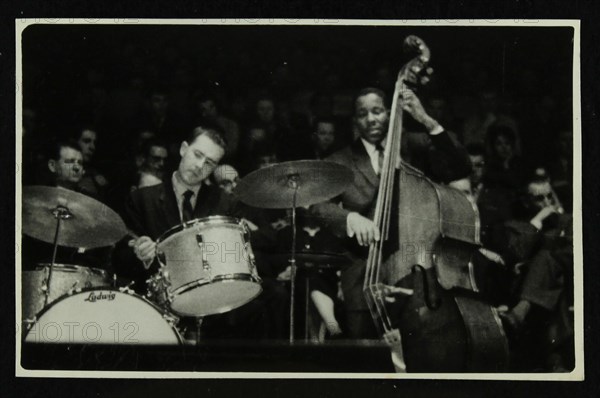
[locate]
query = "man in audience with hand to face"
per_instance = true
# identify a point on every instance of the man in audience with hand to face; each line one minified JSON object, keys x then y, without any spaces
{"x":538,"y":249}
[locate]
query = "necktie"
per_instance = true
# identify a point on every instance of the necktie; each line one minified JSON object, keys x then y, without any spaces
{"x":380,"y":154}
{"x":188,"y":210}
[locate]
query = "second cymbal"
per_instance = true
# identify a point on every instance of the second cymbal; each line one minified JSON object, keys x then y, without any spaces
{"x":273,"y":187}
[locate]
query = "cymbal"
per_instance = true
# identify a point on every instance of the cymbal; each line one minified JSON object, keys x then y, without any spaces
{"x":313,"y":259}
{"x":273,"y":187}
{"x":86,"y":223}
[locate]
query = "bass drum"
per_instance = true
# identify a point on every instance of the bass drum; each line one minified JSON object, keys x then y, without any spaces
{"x":104,"y":316}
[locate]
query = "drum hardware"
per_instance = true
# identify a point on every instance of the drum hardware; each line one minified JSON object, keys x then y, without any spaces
{"x":127,"y":288}
{"x":59,"y":213}
{"x":159,"y":283}
{"x":29,"y":322}
{"x":205,"y":264}
{"x":171,"y":318}
{"x":73,"y":288}
{"x":199,"y":321}
{"x":248,"y":248}
{"x":296,"y":184}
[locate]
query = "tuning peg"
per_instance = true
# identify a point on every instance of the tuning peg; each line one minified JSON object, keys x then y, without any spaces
{"x":424,"y":80}
{"x":429,"y":71}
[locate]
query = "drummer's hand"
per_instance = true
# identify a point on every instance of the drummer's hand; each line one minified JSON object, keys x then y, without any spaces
{"x":144,"y":249}
{"x":365,"y":230}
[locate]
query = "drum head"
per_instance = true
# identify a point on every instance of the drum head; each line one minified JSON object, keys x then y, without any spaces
{"x":215,"y":298}
{"x":198,"y":223}
{"x":102,"y":316}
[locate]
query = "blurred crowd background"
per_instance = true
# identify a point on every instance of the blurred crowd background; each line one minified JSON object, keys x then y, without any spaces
{"x":266,"y":86}
{"x":128,"y":95}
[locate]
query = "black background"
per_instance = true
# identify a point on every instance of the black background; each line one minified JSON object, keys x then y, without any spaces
{"x":33,"y":387}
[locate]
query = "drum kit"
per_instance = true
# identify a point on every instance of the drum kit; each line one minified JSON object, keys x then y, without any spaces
{"x":206,"y":265}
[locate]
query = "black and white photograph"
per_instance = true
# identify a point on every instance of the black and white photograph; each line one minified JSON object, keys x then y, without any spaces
{"x":315,"y":198}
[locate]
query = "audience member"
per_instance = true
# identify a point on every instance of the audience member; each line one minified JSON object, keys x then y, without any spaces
{"x":167,"y":123}
{"x":476,"y":126}
{"x":226,"y":177}
{"x":560,"y":168}
{"x":152,"y":169}
{"x":92,"y":181}
{"x":503,"y":177}
{"x":207,"y":109}
{"x":65,"y":162}
{"x":537,"y":245}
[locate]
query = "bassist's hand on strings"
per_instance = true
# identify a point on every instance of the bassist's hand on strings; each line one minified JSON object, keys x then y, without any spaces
{"x":365,"y":230}
{"x":391,"y":292}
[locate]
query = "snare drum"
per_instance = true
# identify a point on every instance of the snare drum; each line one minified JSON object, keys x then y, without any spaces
{"x":66,"y":279}
{"x":104,"y":316}
{"x":207,"y":267}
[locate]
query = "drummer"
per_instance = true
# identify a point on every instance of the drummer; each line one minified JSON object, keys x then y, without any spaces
{"x":182,"y":197}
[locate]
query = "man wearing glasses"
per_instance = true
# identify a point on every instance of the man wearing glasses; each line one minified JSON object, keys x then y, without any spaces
{"x":152,"y":170}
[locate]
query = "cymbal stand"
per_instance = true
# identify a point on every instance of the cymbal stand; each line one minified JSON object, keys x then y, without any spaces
{"x":293,"y":183}
{"x":60,"y":213}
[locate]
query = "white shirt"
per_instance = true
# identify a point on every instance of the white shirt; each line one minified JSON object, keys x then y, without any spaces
{"x":373,"y":153}
{"x":180,"y":187}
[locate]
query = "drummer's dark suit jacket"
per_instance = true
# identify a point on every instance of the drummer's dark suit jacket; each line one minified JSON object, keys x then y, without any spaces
{"x":444,"y":155}
{"x":152,"y":211}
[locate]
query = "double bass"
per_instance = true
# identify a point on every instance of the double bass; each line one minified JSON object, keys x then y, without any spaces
{"x":430,"y":235}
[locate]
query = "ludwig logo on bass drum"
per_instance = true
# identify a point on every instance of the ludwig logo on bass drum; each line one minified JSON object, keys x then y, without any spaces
{"x":97,"y":296}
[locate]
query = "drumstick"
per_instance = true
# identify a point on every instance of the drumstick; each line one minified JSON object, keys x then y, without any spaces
{"x":132,"y":234}
{"x":131,"y":244}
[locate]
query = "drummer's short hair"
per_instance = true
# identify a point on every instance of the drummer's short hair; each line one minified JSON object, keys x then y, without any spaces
{"x":211,"y":130}
{"x":371,"y":90}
